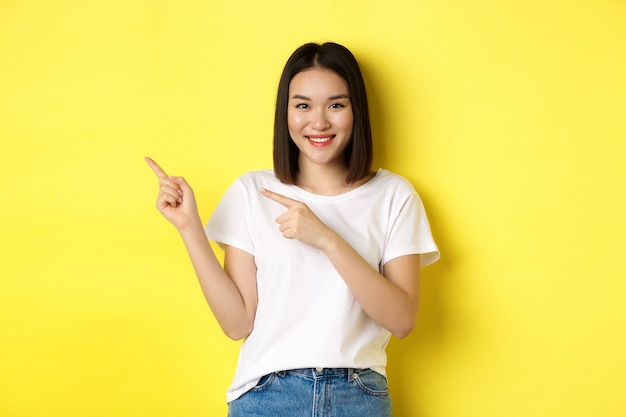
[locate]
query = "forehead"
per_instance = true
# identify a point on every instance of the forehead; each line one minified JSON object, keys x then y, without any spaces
{"x":320,"y":80}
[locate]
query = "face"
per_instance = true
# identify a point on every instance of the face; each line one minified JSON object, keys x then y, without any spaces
{"x":319,"y":116}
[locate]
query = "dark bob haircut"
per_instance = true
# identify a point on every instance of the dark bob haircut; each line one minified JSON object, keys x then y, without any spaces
{"x":339,"y":59}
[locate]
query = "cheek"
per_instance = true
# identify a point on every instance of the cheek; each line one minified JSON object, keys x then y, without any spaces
{"x":294,"y":121}
{"x":345,"y":121}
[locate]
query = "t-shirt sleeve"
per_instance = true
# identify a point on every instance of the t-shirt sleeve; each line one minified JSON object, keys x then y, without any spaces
{"x":229,"y":223}
{"x":409,"y":231}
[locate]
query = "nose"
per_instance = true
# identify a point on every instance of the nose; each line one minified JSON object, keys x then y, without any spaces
{"x":319,"y":120}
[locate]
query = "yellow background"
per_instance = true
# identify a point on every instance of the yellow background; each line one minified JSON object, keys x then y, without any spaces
{"x":508,"y":116}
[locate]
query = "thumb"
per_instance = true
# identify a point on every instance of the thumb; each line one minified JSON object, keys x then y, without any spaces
{"x":182,"y":183}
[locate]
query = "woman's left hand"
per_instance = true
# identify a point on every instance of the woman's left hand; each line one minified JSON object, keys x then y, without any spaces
{"x":299,"y":222}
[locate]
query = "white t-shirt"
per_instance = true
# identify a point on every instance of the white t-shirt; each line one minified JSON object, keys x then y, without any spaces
{"x":306,"y":316}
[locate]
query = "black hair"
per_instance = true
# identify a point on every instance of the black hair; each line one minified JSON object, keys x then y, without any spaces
{"x":336,"y":58}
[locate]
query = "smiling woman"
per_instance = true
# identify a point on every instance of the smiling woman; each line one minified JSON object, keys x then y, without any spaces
{"x":349,"y":81}
{"x":320,"y":122}
{"x":315,"y":298}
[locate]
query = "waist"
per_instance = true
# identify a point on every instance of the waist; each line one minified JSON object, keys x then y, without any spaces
{"x":316,"y":373}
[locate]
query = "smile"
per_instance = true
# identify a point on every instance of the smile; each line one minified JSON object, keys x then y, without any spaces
{"x":320,"y":140}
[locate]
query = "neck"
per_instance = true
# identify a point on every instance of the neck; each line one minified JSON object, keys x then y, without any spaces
{"x":327,"y":179}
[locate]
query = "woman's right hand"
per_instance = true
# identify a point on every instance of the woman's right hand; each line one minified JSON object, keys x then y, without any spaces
{"x":176,"y":200}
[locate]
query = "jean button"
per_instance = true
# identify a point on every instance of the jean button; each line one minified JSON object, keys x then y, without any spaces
{"x":319,"y":369}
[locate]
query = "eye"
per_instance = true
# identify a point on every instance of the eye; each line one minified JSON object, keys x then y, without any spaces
{"x":302,"y":106}
{"x":337,"y":106}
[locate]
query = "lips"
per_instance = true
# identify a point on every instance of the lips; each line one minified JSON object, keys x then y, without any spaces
{"x":320,"y":140}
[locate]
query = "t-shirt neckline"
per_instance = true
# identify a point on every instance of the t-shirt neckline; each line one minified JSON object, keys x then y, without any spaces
{"x":348,"y":194}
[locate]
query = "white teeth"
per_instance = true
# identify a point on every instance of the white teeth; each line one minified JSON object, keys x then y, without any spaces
{"x":320,"y":140}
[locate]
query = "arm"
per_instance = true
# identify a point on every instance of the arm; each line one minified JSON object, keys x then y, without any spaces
{"x":390,"y":299}
{"x":229,"y":291}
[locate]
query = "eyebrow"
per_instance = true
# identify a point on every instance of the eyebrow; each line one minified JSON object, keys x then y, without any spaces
{"x":335,"y":97}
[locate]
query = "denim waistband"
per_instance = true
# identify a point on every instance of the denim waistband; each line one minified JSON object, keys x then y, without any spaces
{"x":349,"y":373}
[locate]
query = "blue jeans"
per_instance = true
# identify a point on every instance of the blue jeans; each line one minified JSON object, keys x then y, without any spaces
{"x":316,"y":392}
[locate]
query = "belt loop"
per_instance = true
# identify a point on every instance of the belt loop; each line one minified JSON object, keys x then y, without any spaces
{"x":352,"y":374}
{"x":281,"y":373}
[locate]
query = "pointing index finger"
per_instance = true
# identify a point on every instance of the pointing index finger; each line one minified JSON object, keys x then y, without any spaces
{"x":156,"y":168}
{"x":279,"y":198}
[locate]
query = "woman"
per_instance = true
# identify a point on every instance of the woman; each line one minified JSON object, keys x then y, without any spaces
{"x":322,"y":255}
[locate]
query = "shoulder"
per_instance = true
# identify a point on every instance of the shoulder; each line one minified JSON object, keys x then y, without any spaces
{"x":260,"y":178}
{"x":391,"y":181}
{"x":244,"y":190}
